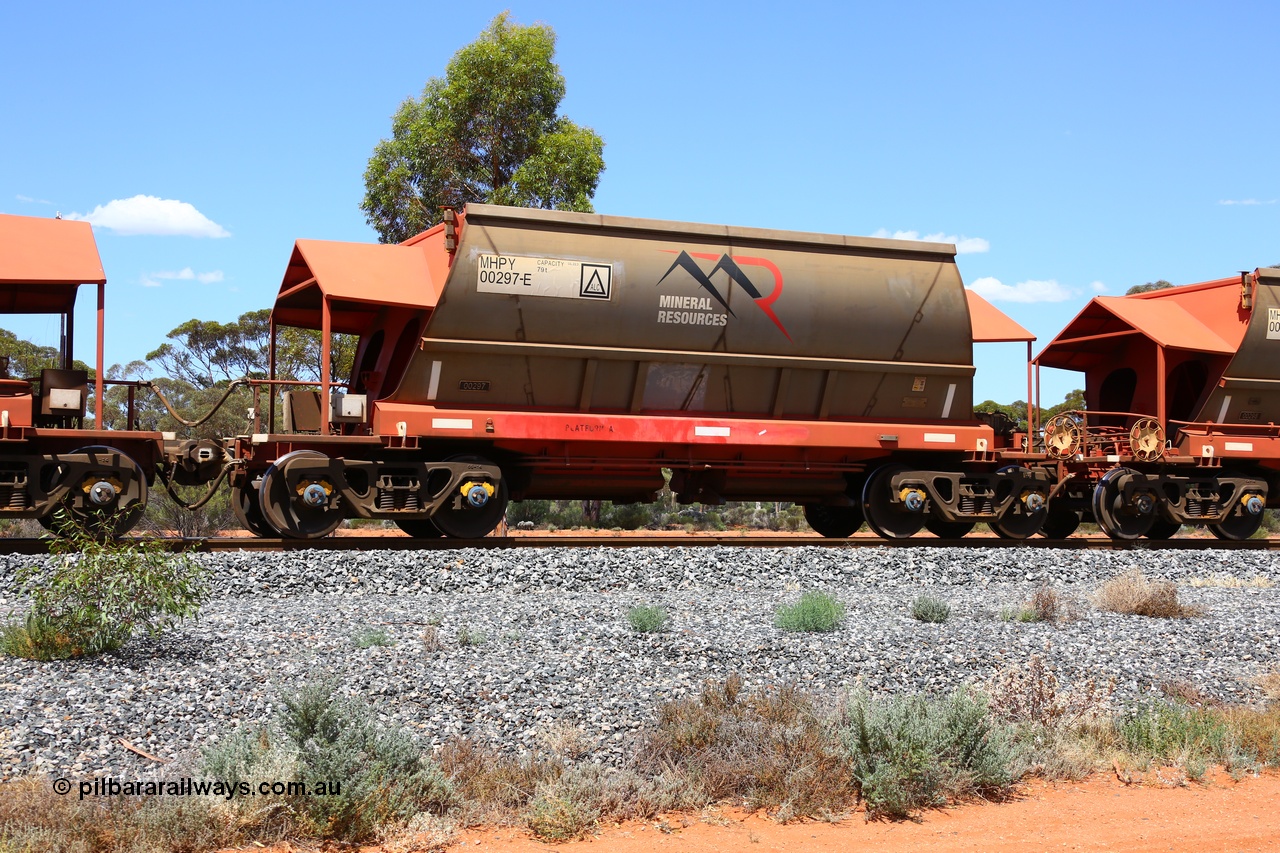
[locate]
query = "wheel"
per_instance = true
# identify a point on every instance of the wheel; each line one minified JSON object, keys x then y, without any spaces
{"x":112,"y":495}
{"x":306,"y":510}
{"x":888,"y":519}
{"x":465,"y":521}
{"x":1161,"y":529}
{"x":1025,"y":515}
{"x":247,"y":508}
{"x":1118,"y":518}
{"x":1243,"y":519}
{"x":419,"y":528}
{"x":947,"y":529}
{"x":1059,"y":523}
{"x":834,"y":522}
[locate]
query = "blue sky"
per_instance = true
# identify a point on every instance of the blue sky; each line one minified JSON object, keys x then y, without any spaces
{"x":1075,"y":148}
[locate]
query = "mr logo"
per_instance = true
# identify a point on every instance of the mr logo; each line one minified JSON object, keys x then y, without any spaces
{"x":732,"y":267}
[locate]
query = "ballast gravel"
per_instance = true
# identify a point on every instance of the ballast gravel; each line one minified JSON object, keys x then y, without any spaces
{"x":531,"y":641}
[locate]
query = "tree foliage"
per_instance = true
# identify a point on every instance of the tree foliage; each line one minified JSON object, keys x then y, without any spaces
{"x":96,"y":594}
{"x":1148,"y":287}
{"x":206,"y":353}
{"x":488,"y":131}
{"x":27,"y":359}
{"x":1017,"y":410}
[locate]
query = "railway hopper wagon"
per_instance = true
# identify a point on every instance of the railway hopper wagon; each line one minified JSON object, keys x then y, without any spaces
{"x":49,"y":460}
{"x":1182,"y":391}
{"x":511,"y":354}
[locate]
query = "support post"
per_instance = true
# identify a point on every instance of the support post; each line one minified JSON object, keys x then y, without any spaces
{"x":1160,"y":383}
{"x":326,"y":327}
{"x":271,"y":374}
{"x":1037,"y":388}
{"x":1031,"y":408}
{"x":99,"y":412}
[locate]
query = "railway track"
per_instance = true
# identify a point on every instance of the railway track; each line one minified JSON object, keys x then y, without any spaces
{"x":404,"y":543}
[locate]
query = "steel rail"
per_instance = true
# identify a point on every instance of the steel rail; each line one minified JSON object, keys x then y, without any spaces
{"x":404,"y":543}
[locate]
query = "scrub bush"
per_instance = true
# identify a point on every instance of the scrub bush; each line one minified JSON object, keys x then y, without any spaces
{"x":814,"y":612}
{"x":99,"y":592}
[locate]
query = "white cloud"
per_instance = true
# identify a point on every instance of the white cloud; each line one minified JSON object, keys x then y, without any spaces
{"x":157,"y":279}
{"x":964,"y":245}
{"x":1024,"y":291}
{"x":1098,"y":287}
{"x":146,"y":214}
{"x":1248,"y":202}
{"x":29,"y":200}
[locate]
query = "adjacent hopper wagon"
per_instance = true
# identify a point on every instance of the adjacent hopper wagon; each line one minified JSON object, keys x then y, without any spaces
{"x":511,"y":354}
{"x":50,"y":463}
{"x":1182,"y":389}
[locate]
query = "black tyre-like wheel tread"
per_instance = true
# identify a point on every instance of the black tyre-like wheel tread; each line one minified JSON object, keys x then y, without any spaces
{"x":1162,"y":530}
{"x":1237,"y":527}
{"x":247,"y":508}
{"x":948,"y":529}
{"x":106,"y":523}
{"x":1060,"y":524}
{"x":883,"y":516}
{"x":1111,"y":513}
{"x":468,"y":523}
{"x":834,"y":522}
{"x":419,"y":528}
{"x":285,"y":513}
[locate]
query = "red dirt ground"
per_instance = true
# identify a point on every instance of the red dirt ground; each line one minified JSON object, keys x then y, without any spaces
{"x":1100,"y":813}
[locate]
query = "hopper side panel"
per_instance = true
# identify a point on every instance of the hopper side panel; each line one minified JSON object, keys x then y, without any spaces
{"x":1249,"y":391}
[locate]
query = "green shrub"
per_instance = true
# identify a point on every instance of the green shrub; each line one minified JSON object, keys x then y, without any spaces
{"x":469,"y":637}
{"x":561,"y":810}
{"x":626,"y":516}
{"x":385,"y":778}
{"x":910,"y":752}
{"x":534,"y":512}
{"x":647,"y":618}
{"x":372,"y":637}
{"x":98,"y":593}
{"x":926,"y":608}
{"x":1172,"y":732}
{"x":1021,"y":613}
{"x":815,"y":611}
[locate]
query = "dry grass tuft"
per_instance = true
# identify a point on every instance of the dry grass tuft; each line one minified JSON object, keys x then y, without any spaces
{"x":772,"y":750}
{"x":494,"y":784}
{"x":1131,"y":593}
{"x":431,"y":642}
{"x":1046,"y":605}
{"x":1032,"y":694}
{"x":1189,"y":695}
{"x":1270,"y":684}
{"x":1049,"y":605}
{"x":1226,"y":581}
{"x":1256,"y":733}
{"x":33,"y":817}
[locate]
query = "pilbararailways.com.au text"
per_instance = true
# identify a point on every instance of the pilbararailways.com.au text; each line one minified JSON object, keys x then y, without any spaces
{"x":188,"y":787}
